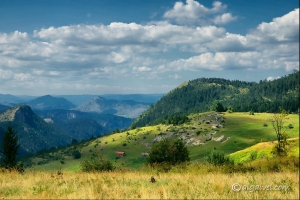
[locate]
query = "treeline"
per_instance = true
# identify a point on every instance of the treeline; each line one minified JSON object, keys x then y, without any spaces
{"x":176,"y":119}
{"x":198,"y":96}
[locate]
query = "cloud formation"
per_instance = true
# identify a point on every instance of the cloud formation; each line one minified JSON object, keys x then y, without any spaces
{"x":84,"y":57}
{"x":224,"y":18}
{"x":195,"y":12}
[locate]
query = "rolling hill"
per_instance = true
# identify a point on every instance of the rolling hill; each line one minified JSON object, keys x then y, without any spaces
{"x":263,"y":150}
{"x":198,"y":96}
{"x":205,"y":132}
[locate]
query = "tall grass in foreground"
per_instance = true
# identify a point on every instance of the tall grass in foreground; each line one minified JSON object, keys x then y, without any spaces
{"x":179,"y":183}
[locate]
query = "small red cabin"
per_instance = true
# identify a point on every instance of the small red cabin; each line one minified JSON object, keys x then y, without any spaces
{"x":120,"y":153}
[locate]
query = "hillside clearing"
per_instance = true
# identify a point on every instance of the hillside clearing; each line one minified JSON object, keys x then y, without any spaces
{"x":239,"y":131}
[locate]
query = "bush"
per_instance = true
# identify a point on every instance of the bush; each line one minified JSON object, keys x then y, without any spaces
{"x":76,"y":154}
{"x":290,"y":126}
{"x":96,"y":163}
{"x":229,"y":109}
{"x":172,"y":151}
{"x":218,"y":158}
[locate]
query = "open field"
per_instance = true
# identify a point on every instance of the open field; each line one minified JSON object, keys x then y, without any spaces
{"x":137,"y":185}
{"x":237,"y":132}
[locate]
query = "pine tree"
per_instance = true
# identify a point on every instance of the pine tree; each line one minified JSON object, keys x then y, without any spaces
{"x":10,"y":147}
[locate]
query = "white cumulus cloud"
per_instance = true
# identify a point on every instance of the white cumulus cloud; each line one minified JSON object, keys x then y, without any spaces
{"x":224,"y":18}
{"x":192,"y":10}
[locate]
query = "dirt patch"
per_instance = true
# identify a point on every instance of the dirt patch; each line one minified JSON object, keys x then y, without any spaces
{"x":226,"y":139}
{"x":217,"y":139}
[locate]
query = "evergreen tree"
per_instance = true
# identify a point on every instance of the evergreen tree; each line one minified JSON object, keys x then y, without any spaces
{"x":217,"y":106}
{"x":10,"y":148}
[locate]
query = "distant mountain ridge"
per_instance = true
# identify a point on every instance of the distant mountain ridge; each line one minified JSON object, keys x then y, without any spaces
{"x":107,"y":121}
{"x":49,"y":102}
{"x":54,"y":128}
{"x":198,"y":96}
{"x":125,"y":108}
{"x":146,"y":98}
{"x":9,"y":98}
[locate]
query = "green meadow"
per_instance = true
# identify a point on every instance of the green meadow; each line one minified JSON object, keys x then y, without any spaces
{"x":238,"y":131}
{"x":255,"y":174}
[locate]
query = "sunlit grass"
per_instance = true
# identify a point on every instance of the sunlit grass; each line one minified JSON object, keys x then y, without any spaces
{"x":136,"y":184}
{"x":264,"y":150}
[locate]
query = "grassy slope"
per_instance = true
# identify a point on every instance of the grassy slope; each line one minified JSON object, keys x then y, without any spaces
{"x":263,"y":150}
{"x":243,"y":129}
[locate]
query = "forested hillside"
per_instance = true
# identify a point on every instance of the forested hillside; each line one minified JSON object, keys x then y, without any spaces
{"x":33,"y":132}
{"x":198,"y":96}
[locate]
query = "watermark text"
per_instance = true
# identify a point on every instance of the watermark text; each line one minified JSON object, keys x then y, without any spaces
{"x":237,"y":187}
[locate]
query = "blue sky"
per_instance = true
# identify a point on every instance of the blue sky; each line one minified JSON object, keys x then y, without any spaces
{"x":142,"y":46}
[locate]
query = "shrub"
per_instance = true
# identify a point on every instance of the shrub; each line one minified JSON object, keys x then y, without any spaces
{"x":229,"y":110}
{"x":171,"y":151}
{"x":76,"y":154}
{"x":96,"y":163}
{"x":218,"y":158}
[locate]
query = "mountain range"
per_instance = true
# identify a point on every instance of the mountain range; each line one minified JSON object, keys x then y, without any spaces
{"x":125,"y":108}
{"x":97,"y":104}
{"x":55,"y":121}
{"x":107,"y":121}
{"x":79,"y":99}
{"x":52,"y":128}
{"x":33,"y":132}
{"x":48,"y":121}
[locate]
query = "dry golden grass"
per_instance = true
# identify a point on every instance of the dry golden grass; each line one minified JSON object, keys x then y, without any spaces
{"x":137,"y":185}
